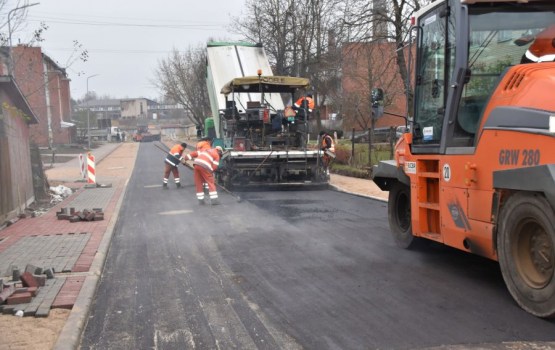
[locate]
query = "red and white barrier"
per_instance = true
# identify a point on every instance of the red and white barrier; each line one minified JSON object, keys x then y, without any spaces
{"x":91,"y":172}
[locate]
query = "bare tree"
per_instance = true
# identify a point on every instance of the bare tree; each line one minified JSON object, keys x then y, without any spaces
{"x":17,"y":13}
{"x":301,"y":39}
{"x":269,"y":22}
{"x":384,"y":21}
{"x":16,"y":20}
{"x":366,"y":66}
{"x":182,"y":78}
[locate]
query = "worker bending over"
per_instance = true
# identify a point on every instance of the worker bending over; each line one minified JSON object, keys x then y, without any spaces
{"x":203,"y":145}
{"x":205,"y":162}
{"x":172,"y":161}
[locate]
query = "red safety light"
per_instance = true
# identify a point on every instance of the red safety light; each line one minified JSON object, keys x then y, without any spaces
{"x":412,"y":20}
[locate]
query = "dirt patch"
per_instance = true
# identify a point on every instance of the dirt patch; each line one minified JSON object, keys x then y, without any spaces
{"x":360,"y":186}
{"x":33,"y":333}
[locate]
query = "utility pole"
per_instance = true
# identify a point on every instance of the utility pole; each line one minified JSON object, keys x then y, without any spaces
{"x":89,"y":111}
{"x":10,"y":63}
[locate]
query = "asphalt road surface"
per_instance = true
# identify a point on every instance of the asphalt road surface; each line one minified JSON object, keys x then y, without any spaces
{"x":304,"y":269}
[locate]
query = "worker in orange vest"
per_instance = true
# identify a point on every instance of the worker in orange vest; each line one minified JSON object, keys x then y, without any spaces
{"x":205,"y":162}
{"x":303,"y":107}
{"x":543,"y":47}
{"x":203,"y":145}
{"x":309,"y":100}
{"x":328,"y":147}
{"x":173,"y":158}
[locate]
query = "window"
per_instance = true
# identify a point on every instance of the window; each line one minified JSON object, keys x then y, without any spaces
{"x":435,"y":54}
{"x":500,"y":40}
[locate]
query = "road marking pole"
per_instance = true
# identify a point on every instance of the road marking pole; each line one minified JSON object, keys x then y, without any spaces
{"x":91,"y":178}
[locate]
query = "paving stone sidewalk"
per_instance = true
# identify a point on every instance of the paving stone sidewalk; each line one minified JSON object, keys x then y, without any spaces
{"x":67,"y":247}
{"x":59,"y":252}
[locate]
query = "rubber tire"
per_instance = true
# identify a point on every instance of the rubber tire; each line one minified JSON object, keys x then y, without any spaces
{"x":527,"y":221}
{"x":399,"y":213}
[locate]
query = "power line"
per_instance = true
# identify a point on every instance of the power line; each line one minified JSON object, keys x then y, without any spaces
{"x":66,"y":16}
{"x":117,"y":51}
{"x":116,"y":24}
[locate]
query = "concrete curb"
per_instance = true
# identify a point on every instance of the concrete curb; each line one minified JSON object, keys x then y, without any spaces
{"x":70,"y":336}
{"x":107,"y":154}
{"x":339,"y":189}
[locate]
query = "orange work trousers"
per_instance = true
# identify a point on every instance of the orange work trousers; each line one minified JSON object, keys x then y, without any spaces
{"x":202,"y":176}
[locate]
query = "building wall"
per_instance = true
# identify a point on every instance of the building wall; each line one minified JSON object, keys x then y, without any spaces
{"x":16,"y":179}
{"x":54,"y":105}
{"x":65,"y":110}
{"x":65,"y":96}
{"x":48,"y":95}
{"x":366,"y":66}
{"x":136,"y":108}
{"x":28,"y":70}
{"x":58,"y":94}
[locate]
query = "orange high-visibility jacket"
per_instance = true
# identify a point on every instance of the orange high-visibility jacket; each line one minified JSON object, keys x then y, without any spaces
{"x":308,"y":99}
{"x":174,"y":155}
{"x":208,"y":159}
{"x":177,"y":150}
{"x":542,"y":49}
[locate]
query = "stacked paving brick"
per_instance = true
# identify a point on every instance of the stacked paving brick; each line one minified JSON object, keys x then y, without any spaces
{"x":31,"y":292}
{"x":95,"y":214}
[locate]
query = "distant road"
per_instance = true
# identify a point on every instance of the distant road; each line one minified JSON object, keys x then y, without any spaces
{"x":286,"y":270}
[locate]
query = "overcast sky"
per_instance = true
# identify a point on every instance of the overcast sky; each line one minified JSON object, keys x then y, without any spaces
{"x":125,"y":39}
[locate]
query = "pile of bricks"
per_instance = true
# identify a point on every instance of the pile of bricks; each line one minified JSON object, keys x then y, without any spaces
{"x":95,"y":214}
{"x":24,"y":286}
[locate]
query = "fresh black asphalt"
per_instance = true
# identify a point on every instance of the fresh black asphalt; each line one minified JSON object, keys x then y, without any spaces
{"x":293,"y":269}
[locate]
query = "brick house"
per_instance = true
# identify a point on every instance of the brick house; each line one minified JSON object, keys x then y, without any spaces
{"x":16,"y":175}
{"x":366,"y":66}
{"x":46,"y":87}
